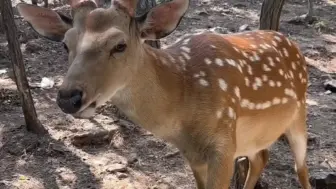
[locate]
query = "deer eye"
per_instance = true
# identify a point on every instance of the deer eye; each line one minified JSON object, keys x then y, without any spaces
{"x":66,"y":47}
{"x":119,"y":48}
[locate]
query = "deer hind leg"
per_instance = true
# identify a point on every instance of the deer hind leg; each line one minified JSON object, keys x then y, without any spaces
{"x":258,"y":162}
{"x":297,"y":138}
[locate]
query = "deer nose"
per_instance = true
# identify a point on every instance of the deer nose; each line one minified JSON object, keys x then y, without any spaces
{"x":70,"y":101}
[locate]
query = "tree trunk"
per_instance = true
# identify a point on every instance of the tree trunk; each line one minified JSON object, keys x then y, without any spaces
{"x":33,"y":124}
{"x":270,"y":14}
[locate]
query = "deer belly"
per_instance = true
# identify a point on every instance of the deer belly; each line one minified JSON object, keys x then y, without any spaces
{"x":261,"y":130}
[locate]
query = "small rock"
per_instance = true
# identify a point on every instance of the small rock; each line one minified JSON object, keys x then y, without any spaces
{"x":33,"y":46}
{"x":240,"y":5}
{"x":69,"y":118}
{"x":330,"y":85}
{"x":244,"y":27}
{"x":311,"y":102}
{"x":3,"y":71}
{"x":327,"y":92}
{"x":202,"y":12}
{"x":205,"y":2}
{"x":313,"y":140}
{"x":219,"y":30}
{"x":47,"y":83}
{"x":121,"y":175}
{"x":116,"y":168}
{"x":132,"y":158}
{"x":324,"y":180}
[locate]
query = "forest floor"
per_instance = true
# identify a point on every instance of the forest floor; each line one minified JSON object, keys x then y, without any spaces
{"x":109,"y":152}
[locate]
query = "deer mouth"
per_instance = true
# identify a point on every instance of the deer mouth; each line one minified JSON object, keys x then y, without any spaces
{"x":87,"y":112}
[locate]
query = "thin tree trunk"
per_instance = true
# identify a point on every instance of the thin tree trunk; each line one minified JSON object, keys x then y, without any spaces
{"x":270,"y":14}
{"x":32,"y":122}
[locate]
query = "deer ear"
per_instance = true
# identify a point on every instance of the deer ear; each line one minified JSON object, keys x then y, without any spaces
{"x":163,"y":19}
{"x":46,"y":22}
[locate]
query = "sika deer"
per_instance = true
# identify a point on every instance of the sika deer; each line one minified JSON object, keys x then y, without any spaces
{"x":215,"y":97}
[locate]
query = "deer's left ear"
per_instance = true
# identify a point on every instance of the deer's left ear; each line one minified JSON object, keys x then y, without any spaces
{"x":163,"y":19}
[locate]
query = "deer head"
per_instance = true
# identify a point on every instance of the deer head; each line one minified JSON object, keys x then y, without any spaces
{"x":105,"y":46}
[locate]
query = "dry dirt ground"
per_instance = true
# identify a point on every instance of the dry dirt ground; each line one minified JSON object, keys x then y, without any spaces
{"x":110,"y":152}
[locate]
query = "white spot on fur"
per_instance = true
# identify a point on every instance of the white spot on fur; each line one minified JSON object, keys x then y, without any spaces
{"x":278,"y":83}
{"x":256,"y":57}
{"x":244,"y":103}
{"x":264,"y":46}
{"x":253,"y":46}
{"x":281,"y":72}
{"x":291,"y":74}
{"x":297,"y":55}
{"x":266,"y":104}
{"x":219,"y":62}
{"x":270,"y":61}
{"x":266,"y":68}
{"x":237,"y":92}
{"x":203,"y":82}
{"x":245,"y":54}
{"x":274,"y":43}
{"x":277,"y":59}
{"x":285,"y":52}
{"x":264,"y":77}
{"x":284,"y":100}
{"x":222,"y":84}
{"x":290,"y":92}
{"x":251,"y":106}
{"x":236,"y":49}
{"x":231,"y":62}
{"x":258,"y":106}
{"x":277,"y":38}
{"x":231,"y":113}
{"x":271,"y":83}
{"x":239,"y":68}
{"x":258,"y":81}
{"x":249,"y":70}
{"x":293,"y":66}
{"x":247,"y":81}
{"x":289,"y":42}
{"x":254,"y":86}
{"x":207,"y":61}
{"x":219,"y":114}
{"x":276,"y":100}
{"x":298,"y":103}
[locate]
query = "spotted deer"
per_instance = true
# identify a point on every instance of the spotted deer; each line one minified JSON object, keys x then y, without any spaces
{"x":215,"y":97}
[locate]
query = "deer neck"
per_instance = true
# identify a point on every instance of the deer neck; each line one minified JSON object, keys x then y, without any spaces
{"x":154,"y":96}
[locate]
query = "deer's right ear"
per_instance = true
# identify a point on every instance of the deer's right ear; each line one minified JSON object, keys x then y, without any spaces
{"x":46,"y":22}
